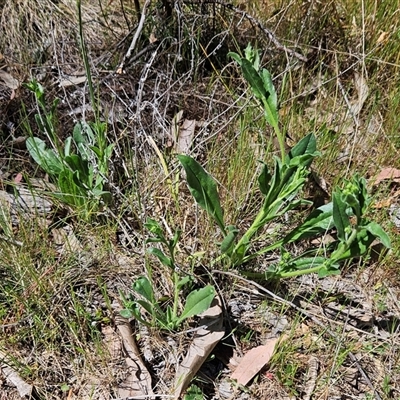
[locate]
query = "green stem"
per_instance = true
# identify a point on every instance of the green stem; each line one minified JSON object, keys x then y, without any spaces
{"x":263,"y":251}
{"x":281,"y":141}
{"x":335,"y":256}
{"x":176,"y":297}
{"x":278,"y":132}
{"x":339,"y":252}
{"x":255,"y":226}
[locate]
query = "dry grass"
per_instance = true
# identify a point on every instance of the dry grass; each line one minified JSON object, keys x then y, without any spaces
{"x":57,"y":308}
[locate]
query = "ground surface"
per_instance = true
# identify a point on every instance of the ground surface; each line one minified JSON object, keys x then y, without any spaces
{"x":336,"y":70}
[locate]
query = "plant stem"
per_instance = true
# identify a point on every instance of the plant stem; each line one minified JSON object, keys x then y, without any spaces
{"x":274,"y":122}
{"x":245,"y":239}
{"x":176,"y":297}
{"x":86,"y":60}
{"x":339,"y":252}
{"x":281,"y":141}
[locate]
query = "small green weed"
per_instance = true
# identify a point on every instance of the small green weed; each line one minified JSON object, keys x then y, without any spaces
{"x":80,"y":165}
{"x":346,"y":212}
{"x":169,"y":318}
{"x":194,"y":393}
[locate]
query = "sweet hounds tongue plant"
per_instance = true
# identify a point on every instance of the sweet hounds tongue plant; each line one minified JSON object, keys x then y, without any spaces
{"x":280,"y":188}
{"x":168,"y":317}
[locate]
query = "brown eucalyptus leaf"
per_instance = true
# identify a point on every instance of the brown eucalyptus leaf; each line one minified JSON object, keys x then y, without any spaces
{"x":392,"y":174}
{"x":138,"y":381}
{"x":204,"y":341}
{"x":13,"y":378}
{"x":253,"y":361}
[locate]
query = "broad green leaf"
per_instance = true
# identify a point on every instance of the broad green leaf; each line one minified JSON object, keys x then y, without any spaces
{"x":239,"y":252}
{"x":364,"y":199}
{"x":154,"y":240}
{"x":319,"y":221}
{"x":81,"y":139}
{"x":132,"y":311}
{"x":254,"y":79}
{"x":170,"y":320}
{"x":303,"y":160}
{"x":161,"y":256}
{"x":197,"y":302}
{"x":88,"y":132}
{"x":44,"y":157}
{"x":77,"y":133}
{"x":96,"y":151}
{"x":203,"y":188}
{"x":78,"y":164}
{"x":108,"y":151}
{"x":308,"y":262}
{"x":154,"y":227}
{"x":183,"y":281}
{"x":229,"y":240}
{"x":325,"y":271}
{"x":143,"y":287}
{"x":273,"y":183}
{"x":358,"y":247}
{"x":307,"y":145}
{"x":253,"y":56}
{"x":356,"y":196}
{"x":149,"y":307}
{"x":70,"y":192}
{"x":264,"y":180}
{"x":378,"y":232}
{"x":104,"y":194}
{"x":301,"y":263}
{"x":272,"y":99}
{"x":340,"y":217}
{"x":125,"y":313}
{"x":236,"y":57}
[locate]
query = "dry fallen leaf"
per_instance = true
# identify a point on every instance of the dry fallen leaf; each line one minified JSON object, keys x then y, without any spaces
{"x":253,"y":361}
{"x":13,"y":378}
{"x":205,"y":339}
{"x":185,"y":136}
{"x":392,"y":174}
{"x":9,"y":80}
{"x":138,"y":381}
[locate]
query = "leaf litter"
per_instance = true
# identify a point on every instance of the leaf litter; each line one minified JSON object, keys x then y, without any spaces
{"x":206,"y":337}
{"x":253,"y":362}
{"x":185,"y":144}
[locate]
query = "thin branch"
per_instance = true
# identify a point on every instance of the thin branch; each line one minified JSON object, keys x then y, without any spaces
{"x":271,"y":36}
{"x":135,"y":38}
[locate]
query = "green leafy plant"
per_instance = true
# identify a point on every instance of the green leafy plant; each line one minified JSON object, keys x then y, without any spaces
{"x":193,"y":393}
{"x":169,"y":317}
{"x":280,"y":189}
{"x":79,"y":166}
{"x":263,"y":89}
